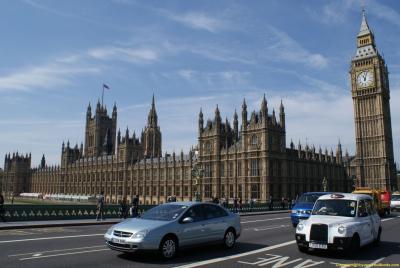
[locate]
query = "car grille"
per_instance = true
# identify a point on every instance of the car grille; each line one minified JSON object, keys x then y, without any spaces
{"x":122,"y":234}
{"x":118,"y":245}
{"x":319,"y":232}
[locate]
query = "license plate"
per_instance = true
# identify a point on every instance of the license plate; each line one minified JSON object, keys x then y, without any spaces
{"x":115,"y":240}
{"x":320,"y":246}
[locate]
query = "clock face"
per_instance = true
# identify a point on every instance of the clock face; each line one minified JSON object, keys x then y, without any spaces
{"x":365,"y":79}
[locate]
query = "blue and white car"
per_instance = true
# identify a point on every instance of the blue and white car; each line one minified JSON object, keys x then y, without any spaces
{"x":171,"y":226}
{"x":340,"y":222}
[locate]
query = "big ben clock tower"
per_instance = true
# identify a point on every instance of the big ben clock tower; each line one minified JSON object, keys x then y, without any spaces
{"x":370,"y":91}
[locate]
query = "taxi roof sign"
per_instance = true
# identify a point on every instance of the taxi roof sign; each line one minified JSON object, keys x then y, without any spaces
{"x":337,"y":196}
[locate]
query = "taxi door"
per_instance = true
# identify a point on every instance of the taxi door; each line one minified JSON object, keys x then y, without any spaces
{"x":374,"y":219}
{"x":364,"y":218}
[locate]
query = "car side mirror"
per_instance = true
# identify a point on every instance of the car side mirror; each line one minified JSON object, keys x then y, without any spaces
{"x":187,"y":220}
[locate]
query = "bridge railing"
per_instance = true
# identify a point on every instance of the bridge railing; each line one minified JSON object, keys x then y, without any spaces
{"x":21,"y":212}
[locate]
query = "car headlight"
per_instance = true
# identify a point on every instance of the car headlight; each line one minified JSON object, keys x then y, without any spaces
{"x":294,"y":211}
{"x":110,"y":231}
{"x":140,"y":234}
{"x":341,"y":229}
{"x":300,"y":226}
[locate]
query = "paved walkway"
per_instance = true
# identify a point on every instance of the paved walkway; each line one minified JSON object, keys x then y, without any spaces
{"x":82,"y":222}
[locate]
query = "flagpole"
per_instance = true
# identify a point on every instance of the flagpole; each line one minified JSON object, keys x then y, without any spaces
{"x":102,"y":97}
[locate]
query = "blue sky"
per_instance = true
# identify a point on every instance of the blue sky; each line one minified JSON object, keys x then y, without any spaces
{"x":55,"y":56}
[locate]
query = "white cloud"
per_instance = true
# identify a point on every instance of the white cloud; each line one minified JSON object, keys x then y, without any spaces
{"x":124,"y":54}
{"x":47,"y":76}
{"x":198,"y":21}
{"x":280,"y":46}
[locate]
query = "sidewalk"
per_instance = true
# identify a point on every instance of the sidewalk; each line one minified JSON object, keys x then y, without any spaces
{"x":85,"y":222}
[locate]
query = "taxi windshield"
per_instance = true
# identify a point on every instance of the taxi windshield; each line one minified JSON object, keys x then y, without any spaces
{"x":335,"y":207}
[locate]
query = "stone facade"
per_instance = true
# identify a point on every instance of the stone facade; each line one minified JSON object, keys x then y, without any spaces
{"x":374,"y":161}
{"x":251,"y":163}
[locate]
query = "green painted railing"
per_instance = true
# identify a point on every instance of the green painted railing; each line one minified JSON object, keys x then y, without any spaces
{"x":22,"y":212}
{"x":61,"y":212}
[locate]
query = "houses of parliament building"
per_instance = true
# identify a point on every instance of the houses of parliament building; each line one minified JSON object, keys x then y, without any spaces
{"x":246,"y":158}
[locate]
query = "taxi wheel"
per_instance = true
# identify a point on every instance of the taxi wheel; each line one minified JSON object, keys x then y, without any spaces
{"x":303,"y":249}
{"x":354,"y":245}
{"x":377,"y":241}
{"x":229,"y":238}
{"x":168,"y":247}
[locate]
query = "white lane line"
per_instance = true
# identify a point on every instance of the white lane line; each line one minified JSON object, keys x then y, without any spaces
{"x":373,"y":263}
{"x":264,"y":228}
{"x":56,"y":250}
{"x":48,"y":238}
{"x":274,"y":219}
{"x":63,"y":254}
{"x":201,"y":263}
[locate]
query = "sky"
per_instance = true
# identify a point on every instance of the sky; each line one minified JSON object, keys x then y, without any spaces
{"x":56,"y":55}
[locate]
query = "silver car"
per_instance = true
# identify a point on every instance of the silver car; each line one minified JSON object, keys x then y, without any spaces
{"x":176,"y":225}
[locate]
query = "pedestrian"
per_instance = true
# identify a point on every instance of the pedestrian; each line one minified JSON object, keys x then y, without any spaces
{"x":235,"y":205}
{"x":135,"y":206}
{"x":293,"y":202}
{"x":240,"y":204}
{"x":283,"y":203}
{"x":100,"y":206}
{"x":271,"y":203}
{"x":251,"y":204}
{"x":122,"y":208}
{"x":215,"y":200}
{"x":2,"y":210}
{"x":12,"y":198}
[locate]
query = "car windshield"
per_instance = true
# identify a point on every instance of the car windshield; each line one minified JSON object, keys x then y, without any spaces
{"x":309,"y":198}
{"x":335,"y":207}
{"x":395,"y":197}
{"x":166,"y":212}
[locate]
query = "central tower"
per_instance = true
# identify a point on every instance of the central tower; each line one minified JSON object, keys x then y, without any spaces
{"x":370,"y":91}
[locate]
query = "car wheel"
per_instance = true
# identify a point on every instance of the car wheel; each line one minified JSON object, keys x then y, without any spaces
{"x":169,"y":247}
{"x":354,"y":245}
{"x":229,"y":238}
{"x":302,"y":249}
{"x":377,"y":241}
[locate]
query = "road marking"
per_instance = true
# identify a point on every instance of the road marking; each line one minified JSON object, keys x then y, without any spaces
{"x":264,"y":228}
{"x":197,"y":264}
{"x":373,"y":263}
{"x":48,"y":238}
{"x":63,"y":254}
{"x":274,"y":219}
{"x":41,"y":252}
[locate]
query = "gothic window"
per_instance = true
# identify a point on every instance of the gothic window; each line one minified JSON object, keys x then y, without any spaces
{"x":254,"y":167}
{"x":178,"y":191}
{"x":239,"y":169}
{"x":222,"y":170}
{"x":255,"y":190}
{"x":231,"y":170}
{"x":208,"y":170}
{"x":169,"y":190}
{"x":223,"y":190}
{"x":207,"y":147}
{"x":207,"y":190}
{"x":240,"y":191}
{"x":162,"y":191}
{"x":186,"y":191}
{"x":147,"y":190}
{"x":154,"y":191}
{"x":254,"y":140}
{"x":231,"y":191}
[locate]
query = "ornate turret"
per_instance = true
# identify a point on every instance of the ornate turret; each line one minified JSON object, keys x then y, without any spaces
{"x":201,"y":121}
{"x":282,"y":115}
{"x":236,"y":126}
{"x":43,"y":162}
{"x":244,"y":115}
{"x":264,"y":109}
{"x":152,"y":117}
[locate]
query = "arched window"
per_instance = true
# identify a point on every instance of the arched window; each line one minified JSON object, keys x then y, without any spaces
{"x":254,"y":140}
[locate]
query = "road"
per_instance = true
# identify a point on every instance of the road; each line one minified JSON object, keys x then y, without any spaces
{"x":266,"y":241}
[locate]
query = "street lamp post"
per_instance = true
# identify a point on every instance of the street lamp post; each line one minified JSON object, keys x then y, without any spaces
{"x":197,"y":175}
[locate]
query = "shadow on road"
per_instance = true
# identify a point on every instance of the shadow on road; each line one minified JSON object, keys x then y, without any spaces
{"x":195,"y":254}
{"x":366,"y":253}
